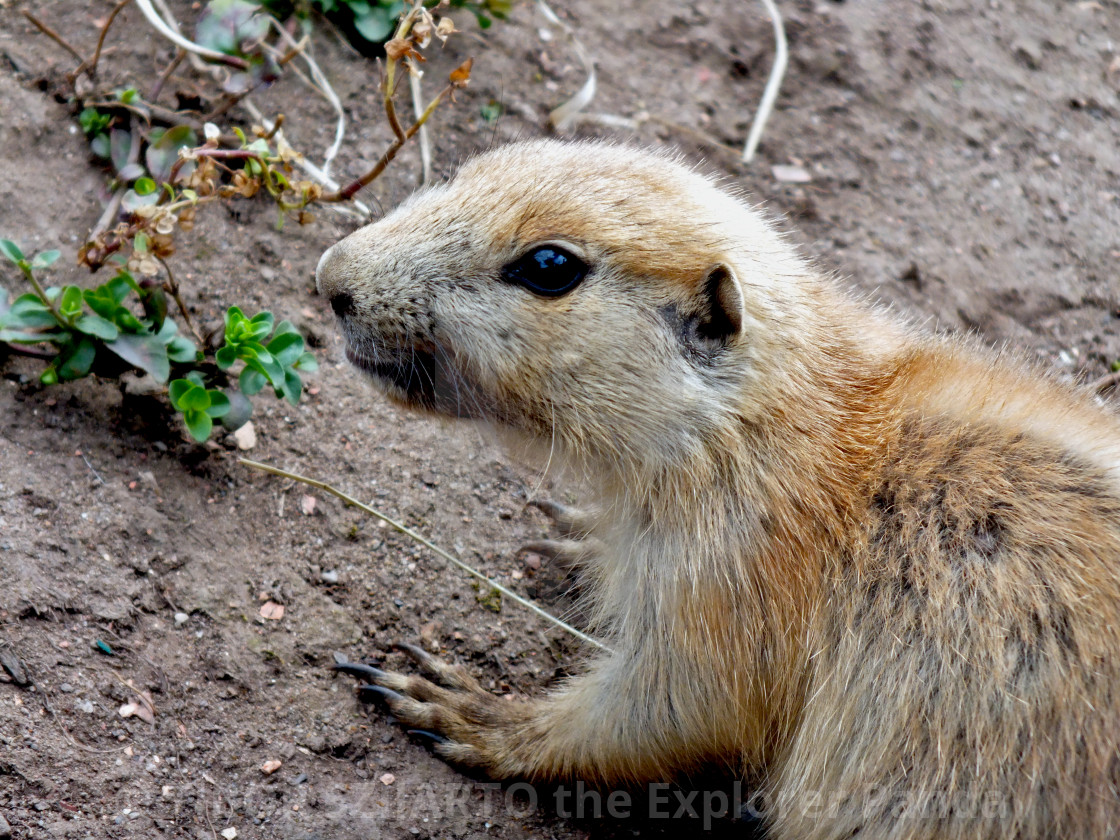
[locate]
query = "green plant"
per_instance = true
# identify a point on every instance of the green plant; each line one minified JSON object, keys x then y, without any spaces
{"x":276,"y":363}
{"x":122,"y":325}
{"x":160,"y":175}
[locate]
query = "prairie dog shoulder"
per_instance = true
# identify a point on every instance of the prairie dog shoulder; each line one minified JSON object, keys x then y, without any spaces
{"x":850,"y":556}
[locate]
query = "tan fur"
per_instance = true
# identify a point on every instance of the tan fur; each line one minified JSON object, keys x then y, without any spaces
{"x":875,"y":570}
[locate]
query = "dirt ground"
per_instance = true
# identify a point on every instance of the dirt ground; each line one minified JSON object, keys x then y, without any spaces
{"x":965,"y":167}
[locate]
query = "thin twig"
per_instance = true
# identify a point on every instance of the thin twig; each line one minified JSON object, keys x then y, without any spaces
{"x":54,"y":36}
{"x":175,"y":62}
{"x":425,"y":140}
{"x":173,"y":287}
{"x":349,"y":190}
{"x":773,"y":84}
{"x":1109,"y":380}
{"x":91,"y":70}
{"x":513,"y":596}
{"x":110,"y":213}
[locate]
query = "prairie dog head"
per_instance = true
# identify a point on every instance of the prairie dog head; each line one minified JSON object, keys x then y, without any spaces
{"x":606,"y":300}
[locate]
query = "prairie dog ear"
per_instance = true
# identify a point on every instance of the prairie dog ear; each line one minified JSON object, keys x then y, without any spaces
{"x":723,"y":299}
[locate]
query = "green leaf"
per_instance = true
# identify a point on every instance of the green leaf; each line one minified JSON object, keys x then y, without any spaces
{"x":251,"y":381}
{"x":121,"y":285}
{"x":196,"y":377}
{"x":219,"y":404}
{"x":144,"y":186}
{"x":226,"y":24}
{"x":307,"y":363}
{"x":234,"y":318}
{"x":285,"y":327}
{"x":163,"y":151}
{"x":155,"y":307}
{"x":262,"y":360}
{"x":292,"y":387}
{"x":129,"y":322}
{"x":21,"y":337}
{"x":145,"y":352}
{"x":257,"y":332}
{"x":100,"y":146}
{"x":491,"y":111}
{"x":241,"y":409}
{"x":177,"y":389}
{"x":29,"y":312}
{"x":133,"y":200}
{"x":93,"y":121}
{"x":49,"y":376}
{"x":101,"y":302}
{"x":256,"y":350}
{"x":9,"y":249}
{"x":225,"y":357}
{"x":120,"y":144}
{"x":286,"y":348}
{"x":127,"y":95}
{"x":375,"y":26}
{"x":97,"y":326}
{"x":261,"y":324}
{"x":131,"y":172}
{"x":44,"y":259}
{"x":195,"y":399}
{"x":199,"y":424}
{"x":181,"y":349}
{"x":71,"y":303}
{"x":77,"y":362}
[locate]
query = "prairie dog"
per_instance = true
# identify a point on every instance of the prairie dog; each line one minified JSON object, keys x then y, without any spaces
{"x":876,"y":571}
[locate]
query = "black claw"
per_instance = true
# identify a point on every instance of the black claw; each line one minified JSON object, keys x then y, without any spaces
{"x":551,"y":509}
{"x":356,"y":669}
{"x":368,"y":692}
{"x":435,"y":738}
{"x":418,"y":654}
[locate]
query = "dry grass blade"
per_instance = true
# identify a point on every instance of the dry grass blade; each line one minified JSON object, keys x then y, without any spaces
{"x":773,"y":84}
{"x":565,"y":114}
{"x":404,"y":529}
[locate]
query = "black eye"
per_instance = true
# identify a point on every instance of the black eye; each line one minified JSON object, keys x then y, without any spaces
{"x":549,"y":271}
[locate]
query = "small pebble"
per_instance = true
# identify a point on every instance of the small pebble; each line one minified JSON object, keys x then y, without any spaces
{"x":181,"y":618}
{"x":329,"y":577}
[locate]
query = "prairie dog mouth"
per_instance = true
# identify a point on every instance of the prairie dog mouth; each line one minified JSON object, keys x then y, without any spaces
{"x":409,"y":376}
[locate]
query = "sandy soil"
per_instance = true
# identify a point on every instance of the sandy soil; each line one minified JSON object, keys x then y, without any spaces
{"x":965,"y":167}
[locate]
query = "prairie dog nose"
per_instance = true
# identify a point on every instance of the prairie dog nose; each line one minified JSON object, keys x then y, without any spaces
{"x":331,"y":284}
